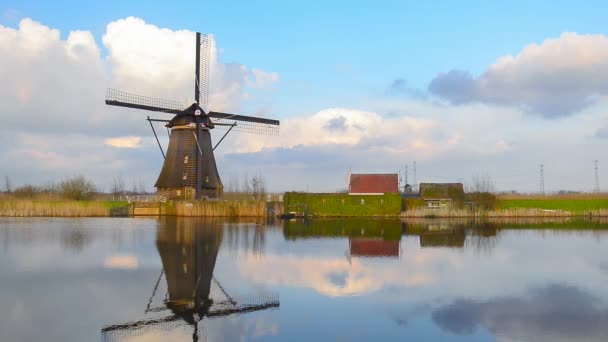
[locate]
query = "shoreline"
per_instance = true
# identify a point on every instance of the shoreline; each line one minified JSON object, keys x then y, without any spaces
{"x":253,"y":209}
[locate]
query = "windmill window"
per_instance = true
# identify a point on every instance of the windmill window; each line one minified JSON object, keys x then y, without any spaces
{"x":185,"y":175}
{"x":186,"y":160}
{"x":206,"y":179}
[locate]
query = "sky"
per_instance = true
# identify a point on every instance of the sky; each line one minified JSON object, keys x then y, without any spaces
{"x":465,"y":89}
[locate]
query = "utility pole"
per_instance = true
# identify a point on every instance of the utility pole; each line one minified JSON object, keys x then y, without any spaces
{"x":415,"y":185}
{"x":405,"y":174}
{"x":597,"y":177}
{"x":542,"y":179}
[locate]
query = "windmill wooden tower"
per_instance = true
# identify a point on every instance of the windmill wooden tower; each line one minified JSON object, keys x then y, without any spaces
{"x":189,"y":170}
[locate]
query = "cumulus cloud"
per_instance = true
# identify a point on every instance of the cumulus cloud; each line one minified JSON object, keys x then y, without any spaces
{"x":559,"y":77}
{"x":160,"y":62}
{"x":124,"y":142}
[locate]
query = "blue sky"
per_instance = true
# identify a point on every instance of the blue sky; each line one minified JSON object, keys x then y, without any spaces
{"x":428,"y":68}
{"x":329,"y":53}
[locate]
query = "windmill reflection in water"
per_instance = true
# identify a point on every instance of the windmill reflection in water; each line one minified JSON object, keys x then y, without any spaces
{"x":188,"y":250}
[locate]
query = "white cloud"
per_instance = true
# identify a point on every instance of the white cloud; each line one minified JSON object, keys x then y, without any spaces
{"x":124,"y":142}
{"x":558,"y":77}
{"x":263,"y":79}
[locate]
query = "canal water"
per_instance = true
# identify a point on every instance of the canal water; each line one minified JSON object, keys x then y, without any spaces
{"x":186,"y":279}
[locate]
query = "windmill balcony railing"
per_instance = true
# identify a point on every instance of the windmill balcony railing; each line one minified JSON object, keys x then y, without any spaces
{"x":146,"y":198}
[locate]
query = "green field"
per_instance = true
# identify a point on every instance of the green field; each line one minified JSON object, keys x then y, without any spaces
{"x":578,"y":206}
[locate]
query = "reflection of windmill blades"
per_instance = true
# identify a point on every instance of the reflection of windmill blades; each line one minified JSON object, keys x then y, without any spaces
{"x":243,"y":305}
{"x":122,"y":99}
{"x":154,"y":290}
{"x":238,"y":305}
{"x":119,"y":332}
{"x":224,"y":291}
{"x":143,"y":323}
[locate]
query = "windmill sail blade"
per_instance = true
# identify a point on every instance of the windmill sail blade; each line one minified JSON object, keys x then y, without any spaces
{"x":204,"y":58}
{"x":122,"y":99}
{"x":228,"y":116}
{"x":246,"y":124}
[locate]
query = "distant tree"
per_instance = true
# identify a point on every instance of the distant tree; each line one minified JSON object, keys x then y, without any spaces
{"x":26,"y":191}
{"x":482,"y":193}
{"x":483,"y":184}
{"x":246,"y":186}
{"x":262,"y":187}
{"x":77,"y":188}
{"x":118,"y":186}
{"x":141,"y":187}
{"x":50,"y":188}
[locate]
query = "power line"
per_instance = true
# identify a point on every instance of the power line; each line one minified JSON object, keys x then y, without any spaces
{"x":597,"y":177}
{"x":542,"y":179}
{"x":415,"y":180}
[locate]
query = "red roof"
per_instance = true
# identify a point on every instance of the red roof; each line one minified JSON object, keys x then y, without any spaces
{"x":373,"y":247}
{"x":374,"y":183}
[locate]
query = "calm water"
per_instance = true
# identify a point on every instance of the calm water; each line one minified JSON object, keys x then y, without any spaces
{"x":337,"y":280}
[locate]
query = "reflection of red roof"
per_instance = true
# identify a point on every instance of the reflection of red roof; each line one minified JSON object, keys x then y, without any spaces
{"x":373,"y":247}
{"x":374,"y":183}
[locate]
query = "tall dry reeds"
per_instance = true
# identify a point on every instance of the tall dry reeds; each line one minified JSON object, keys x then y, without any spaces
{"x":41,"y":208}
{"x":220,"y":209}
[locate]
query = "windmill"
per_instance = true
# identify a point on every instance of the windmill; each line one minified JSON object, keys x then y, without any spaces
{"x":189,"y":170}
{"x":188,"y":250}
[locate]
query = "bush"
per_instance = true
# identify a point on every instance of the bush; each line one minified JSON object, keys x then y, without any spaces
{"x":483,"y":200}
{"x":77,"y":188}
{"x":27,"y":191}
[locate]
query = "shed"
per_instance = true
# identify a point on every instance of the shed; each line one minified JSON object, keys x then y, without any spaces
{"x":373,"y":184}
{"x":442,"y":195}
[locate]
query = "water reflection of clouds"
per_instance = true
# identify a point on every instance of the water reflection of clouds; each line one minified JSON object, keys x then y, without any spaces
{"x":330,"y":276}
{"x":59,"y":244}
{"x":120,"y":261}
{"x":515,"y":263}
{"x":550,"y":313}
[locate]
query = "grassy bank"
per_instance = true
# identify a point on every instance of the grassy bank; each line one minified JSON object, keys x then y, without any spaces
{"x":498,"y":213}
{"x":576,"y":206}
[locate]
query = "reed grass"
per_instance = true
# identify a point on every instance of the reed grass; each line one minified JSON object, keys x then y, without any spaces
{"x":234,"y":208}
{"x":45,"y":208}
